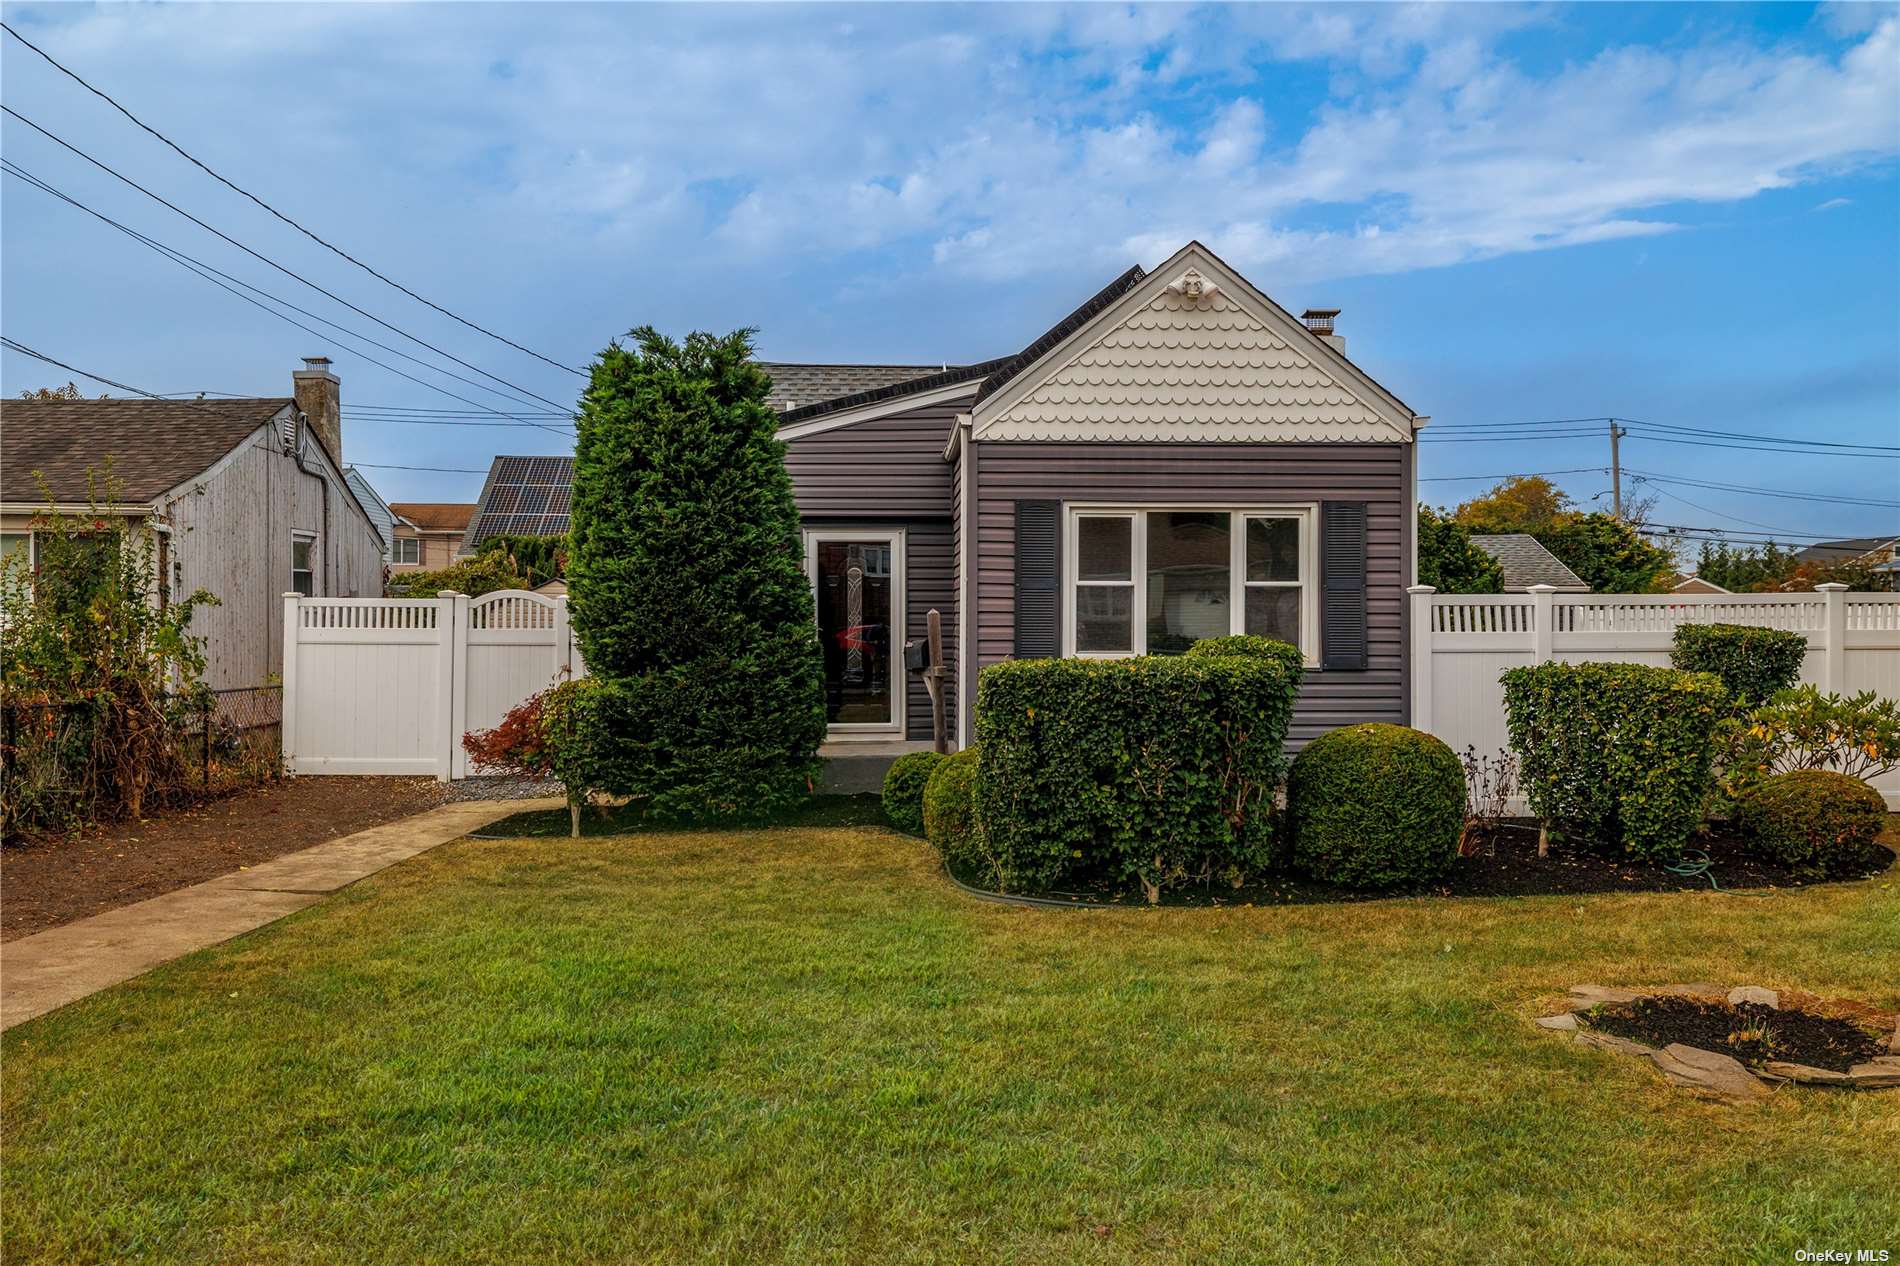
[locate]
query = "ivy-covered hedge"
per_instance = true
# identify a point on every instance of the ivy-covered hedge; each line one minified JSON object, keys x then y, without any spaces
{"x":1615,"y":754}
{"x":1754,"y":664}
{"x":1811,"y":818}
{"x":1157,"y":770}
{"x":1374,"y":806}
{"x":904,"y":785}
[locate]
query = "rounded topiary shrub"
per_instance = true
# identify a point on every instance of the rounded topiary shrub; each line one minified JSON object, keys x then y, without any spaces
{"x":904,"y":789}
{"x":1754,"y":664}
{"x":950,"y":810}
{"x":1811,"y":818}
{"x":1374,"y":806}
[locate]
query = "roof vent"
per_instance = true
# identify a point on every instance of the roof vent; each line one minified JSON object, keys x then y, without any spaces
{"x":1320,"y":320}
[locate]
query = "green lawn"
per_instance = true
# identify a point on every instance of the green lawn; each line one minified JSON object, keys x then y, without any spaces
{"x":801,"y":1045}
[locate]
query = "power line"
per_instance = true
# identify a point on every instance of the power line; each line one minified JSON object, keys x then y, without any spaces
{"x":1723,"y":514}
{"x":205,"y":271}
{"x":1532,"y":428}
{"x":445,"y":470}
{"x":1783,"y":493}
{"x":330,"y":246}
{"x":1529,"y":474}
{"x":273,"y":263}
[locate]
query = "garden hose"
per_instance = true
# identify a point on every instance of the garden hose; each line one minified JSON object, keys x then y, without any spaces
{"x":1696,"y":864}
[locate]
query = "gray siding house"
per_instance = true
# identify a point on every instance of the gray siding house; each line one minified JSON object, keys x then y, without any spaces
{"x":246,"y":498}
{"x":1178,"y":458}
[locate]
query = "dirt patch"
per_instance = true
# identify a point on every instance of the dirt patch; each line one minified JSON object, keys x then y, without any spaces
{"x":47,"y":883}
{"x":1750,"y":1032}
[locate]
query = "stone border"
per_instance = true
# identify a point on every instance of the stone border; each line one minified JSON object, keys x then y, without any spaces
{"x":1722,"y":1075}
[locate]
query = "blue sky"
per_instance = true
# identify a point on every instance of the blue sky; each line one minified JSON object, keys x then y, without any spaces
{"x":1685,"y":214}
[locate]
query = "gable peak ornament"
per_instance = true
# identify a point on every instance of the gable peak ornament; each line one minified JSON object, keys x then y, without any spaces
{"x":1193,"y":287}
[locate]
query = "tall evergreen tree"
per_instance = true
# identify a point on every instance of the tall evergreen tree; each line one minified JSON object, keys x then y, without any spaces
{"x":1448,"y":561}
{"x":686,"y":581}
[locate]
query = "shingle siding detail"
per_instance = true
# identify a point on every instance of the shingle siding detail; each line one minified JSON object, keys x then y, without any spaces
{"x":1203,"y":474}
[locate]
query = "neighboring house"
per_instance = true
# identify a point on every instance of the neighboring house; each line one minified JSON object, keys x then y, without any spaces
{"x":247,"y":499}
{"x":428,"y":534}
{"x":373,"y":505}
{"x":1525,"y":562}
{"x":1179,"y":457}
{"x":1695,"y":584}
{"x":1872,"y":550}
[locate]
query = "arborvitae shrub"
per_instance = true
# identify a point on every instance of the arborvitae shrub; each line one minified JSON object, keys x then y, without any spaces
{"x":687,"y":586}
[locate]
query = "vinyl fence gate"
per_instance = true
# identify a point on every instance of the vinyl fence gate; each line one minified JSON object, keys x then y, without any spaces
{"x":390,"y":685}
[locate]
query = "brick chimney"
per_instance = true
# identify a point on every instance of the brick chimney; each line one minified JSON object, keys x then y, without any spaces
{"x":1320,"y":321}
{"x":320,"y":398}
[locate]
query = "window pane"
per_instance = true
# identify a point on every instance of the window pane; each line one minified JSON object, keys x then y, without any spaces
{"x":1104,"y":549}
{"x":1104,"y":618}
{"x":1273,"y":549}
{"x":299,"y":555}
{"x":1188,"y":571}
{"x":1274,"y":613}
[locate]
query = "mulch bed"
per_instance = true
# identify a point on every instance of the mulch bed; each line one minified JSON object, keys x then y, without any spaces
{"x":1752,"y":1033}
{"x":819,"y":811}
{"x":1506,"y":864}
{"x":49,"y":882}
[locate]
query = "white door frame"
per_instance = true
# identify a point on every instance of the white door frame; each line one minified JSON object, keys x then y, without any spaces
{"x":900,"y":675}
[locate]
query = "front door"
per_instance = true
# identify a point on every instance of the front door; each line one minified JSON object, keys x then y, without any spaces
{"x":857,"y":579}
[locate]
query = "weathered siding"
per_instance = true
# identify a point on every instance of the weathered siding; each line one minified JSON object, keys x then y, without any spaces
{"x":231,"y":536}
{"x":1202,"y":474}
{"x":884,"y":473}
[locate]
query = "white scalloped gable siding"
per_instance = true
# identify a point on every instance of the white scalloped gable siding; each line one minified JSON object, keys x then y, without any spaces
{"x":1184,"y":369}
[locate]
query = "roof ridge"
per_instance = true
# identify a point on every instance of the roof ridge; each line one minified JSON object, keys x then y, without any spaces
{"x":1055,"y":334}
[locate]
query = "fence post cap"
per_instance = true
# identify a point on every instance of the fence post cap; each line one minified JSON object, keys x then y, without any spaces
{"x":1832,"y":586}
{"x":292,"y":593}
{"x":1421,"y":589}
{"x":448,"y":593}
{"x":1542,"y":589}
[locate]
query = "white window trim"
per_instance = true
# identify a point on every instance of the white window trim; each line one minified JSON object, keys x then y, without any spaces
{"x":396,"y":551}
{"x":1307,"y":514}
{"x":900,"y":690}
{"x":299,"y":536}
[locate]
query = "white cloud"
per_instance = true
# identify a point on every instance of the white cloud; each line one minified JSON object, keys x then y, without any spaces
{"x":1834,"y":203}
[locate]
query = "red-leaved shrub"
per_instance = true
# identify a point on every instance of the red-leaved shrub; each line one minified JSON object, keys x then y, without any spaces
{"x":516,"y":746}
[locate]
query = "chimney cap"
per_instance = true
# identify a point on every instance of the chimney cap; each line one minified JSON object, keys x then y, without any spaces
{"x":1319,"y":320}
{"x":318,"y":364}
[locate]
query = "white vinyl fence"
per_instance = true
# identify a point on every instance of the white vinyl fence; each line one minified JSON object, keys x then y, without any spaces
{"x":1462,"y":642}
{"x":390,"y":685}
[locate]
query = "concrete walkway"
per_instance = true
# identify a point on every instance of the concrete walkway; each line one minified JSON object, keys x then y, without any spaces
{"x":64,"y":964}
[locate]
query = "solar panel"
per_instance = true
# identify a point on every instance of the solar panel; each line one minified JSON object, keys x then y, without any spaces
{"x":527,"y":496}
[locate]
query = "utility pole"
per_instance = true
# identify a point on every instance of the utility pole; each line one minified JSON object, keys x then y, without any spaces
{"x":1616,"y":471}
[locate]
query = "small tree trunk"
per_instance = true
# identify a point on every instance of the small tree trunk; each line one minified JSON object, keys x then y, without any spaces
{"x":573,"y":816}
{"x":1543,"y":840}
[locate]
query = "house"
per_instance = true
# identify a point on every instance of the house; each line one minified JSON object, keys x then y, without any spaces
{"x":247,"y":499}
{"x":1872,"y":550}
{"x":1178,"y":457}
{"x":1695,"y":584}
{"x":428,"y":534}
{"x":1526,"y":562}
{"x":380,"y":515}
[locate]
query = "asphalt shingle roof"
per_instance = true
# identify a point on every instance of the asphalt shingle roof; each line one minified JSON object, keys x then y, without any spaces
{"x":799,"y":386}
{"x":154,"y":445}
{"x":436,"y":516}
{"x":1526,"y":562}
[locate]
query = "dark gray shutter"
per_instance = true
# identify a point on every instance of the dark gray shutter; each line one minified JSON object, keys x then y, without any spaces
{"x":1038,"y":579}
{"x":1342,"y":570}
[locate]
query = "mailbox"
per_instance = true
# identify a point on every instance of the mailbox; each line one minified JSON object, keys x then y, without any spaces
{"x":915,"y":657}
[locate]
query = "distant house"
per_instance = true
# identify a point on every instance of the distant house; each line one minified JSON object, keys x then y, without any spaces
{"x":1872,"y":550}
{"x":1526,"y":562}
{"x":1178,"y":457}
{"x":247,"y":499}
{"x":428,"y":534}
{"x":373,"y":504}
{"x":1695,"y":584}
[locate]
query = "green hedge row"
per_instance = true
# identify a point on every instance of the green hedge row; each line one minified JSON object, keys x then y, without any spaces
{"x":1615,"y":754}
{"x":1158,"y":769}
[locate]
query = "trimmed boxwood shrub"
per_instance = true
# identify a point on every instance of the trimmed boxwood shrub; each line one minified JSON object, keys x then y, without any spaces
{"x":904,"y":789}
{"x":1375,"y":806}
{"x":1754,"y":664}
{"x":1158,"y":769}
{"x":1287,"y":656}
{"x":687,"y":584}
{"x":950,"y":812}
{"x":1615,"y":754}
{"x":1811,"y":818}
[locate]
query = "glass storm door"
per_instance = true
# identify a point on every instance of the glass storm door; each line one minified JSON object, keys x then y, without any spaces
{"x":857,"y":583}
